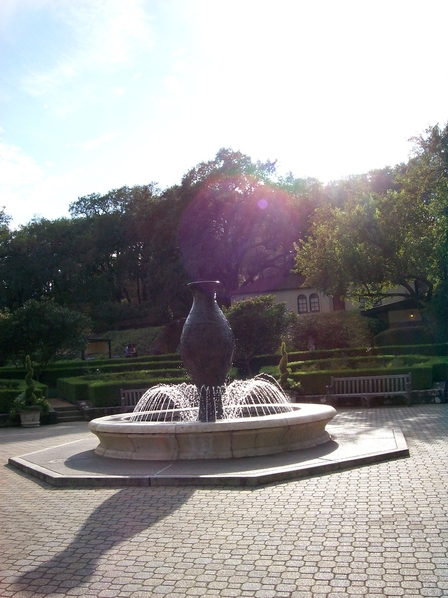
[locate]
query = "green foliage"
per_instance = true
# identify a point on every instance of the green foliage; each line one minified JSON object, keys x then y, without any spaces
{"x":259,"y":325}
{"x":333,"y":330}
{"x":29,"y":400}
{"x":435,"y":316}
{"x":415,"y":335}
{"x":106,"y":392}
{"x":283,"y":369}
{"x":9,"y":394}
{"x":142,"y":338}
{"x":237,"y":223}
{"x":388,"y":234}
{"x":285,"y":381}
{"x":43,"y":330}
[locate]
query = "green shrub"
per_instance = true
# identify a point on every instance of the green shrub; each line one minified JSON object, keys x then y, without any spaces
{"x":143,"y":339}
{"x":81,"y":368}
{"x":7,"y":395}
{"x":439,"y":370}
{"x":412,"y":335}
{"x":107,"y":394}
{"x":259,"y":325}
{"x":333,"y":330}
{"x":426,"y":349}
{"x":73,"y":389}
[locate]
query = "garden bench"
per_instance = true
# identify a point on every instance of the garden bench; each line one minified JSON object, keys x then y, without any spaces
{"x":367,"y":387}
{"x":130,"y":398}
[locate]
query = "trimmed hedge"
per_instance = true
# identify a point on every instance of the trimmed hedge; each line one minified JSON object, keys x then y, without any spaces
{"x":314,"y":383}
{"x":73,"y":389}
{"x":106,"y":393}
{"x":436,"y":349}
{"x":439,"y":370}
{"x":7,"y":395}
{"x":354,"y":364}
{"x":66,"y":369}
{"x":412,"y":335}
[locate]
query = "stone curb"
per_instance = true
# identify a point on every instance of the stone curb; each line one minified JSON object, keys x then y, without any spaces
{"x":275,"y":468}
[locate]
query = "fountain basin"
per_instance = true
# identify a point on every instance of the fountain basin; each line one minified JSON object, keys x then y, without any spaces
{"x":302,"y":427}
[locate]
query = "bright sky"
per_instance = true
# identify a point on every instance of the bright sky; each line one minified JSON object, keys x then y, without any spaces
{"x":97,"y":94}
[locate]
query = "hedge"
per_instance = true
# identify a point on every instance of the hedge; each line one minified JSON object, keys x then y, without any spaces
{"x":440,"y":349}
{"x":104,"y":393}
{"x":413,"y":335}
{"x":107,"y":394}
{"x":73,"y":389}
{"x":357,"y":363}
{"x":439,"y":370}
{"x":315,"y":383}
{"x":7,"y":395}
{"x":79,"y":368}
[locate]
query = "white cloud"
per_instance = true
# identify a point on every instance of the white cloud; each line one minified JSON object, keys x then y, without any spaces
{"x":103,"y":34}
{"x":16,"y":168}
{"x":92,"y":144}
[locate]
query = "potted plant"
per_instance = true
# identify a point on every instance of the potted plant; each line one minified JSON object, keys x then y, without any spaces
{"x":27,"y":404}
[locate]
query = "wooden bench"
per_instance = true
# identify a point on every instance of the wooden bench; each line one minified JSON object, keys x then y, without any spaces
{"x":130,"y":398}
{"x":366,"y":387}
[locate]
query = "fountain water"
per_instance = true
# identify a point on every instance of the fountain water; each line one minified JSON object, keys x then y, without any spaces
{"x":242,"y":398}
{"x":209,"y":419}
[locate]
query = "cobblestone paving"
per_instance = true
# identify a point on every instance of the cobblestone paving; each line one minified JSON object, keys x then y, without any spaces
{"x":380,"y":530}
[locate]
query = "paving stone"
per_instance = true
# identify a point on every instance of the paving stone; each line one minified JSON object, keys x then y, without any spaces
{"x":380,"y":530}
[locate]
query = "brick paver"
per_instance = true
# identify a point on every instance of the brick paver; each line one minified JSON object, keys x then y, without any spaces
{"x":380,"y":530}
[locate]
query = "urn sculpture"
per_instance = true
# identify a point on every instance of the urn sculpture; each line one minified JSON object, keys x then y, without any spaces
{"x":206,"y":348}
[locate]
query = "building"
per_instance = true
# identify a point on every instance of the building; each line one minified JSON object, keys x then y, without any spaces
{"x":290,"y":290}
{"x":396,"y":310}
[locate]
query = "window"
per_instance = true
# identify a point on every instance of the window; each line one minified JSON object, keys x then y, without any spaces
{"x":314,"y":302}
{"x":302,"y":304}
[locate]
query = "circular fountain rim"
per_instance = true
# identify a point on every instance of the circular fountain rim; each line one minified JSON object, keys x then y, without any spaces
{"x":302,"y":427}
{"x":260,"y":421}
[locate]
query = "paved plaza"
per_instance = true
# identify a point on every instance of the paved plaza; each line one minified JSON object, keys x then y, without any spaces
{"x":376,"y":530}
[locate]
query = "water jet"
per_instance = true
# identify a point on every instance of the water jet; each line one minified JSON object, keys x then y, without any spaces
{"x":210,"y":419}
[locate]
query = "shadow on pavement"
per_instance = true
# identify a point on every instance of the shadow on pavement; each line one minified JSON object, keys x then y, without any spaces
{"x":116,"y":520}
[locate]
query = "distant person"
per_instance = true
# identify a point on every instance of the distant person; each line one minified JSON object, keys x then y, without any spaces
{"x":132,"y":350}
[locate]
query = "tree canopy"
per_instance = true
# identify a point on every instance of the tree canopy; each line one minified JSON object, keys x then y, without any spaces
{"x":42,"y":330}
{"x":125,"y":257}
{"x":396,"y":236}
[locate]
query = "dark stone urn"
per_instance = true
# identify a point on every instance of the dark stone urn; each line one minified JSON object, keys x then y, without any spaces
{"x":206,"y":347}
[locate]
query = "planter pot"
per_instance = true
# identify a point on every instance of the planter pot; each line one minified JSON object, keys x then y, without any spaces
{"x":30,"y":418}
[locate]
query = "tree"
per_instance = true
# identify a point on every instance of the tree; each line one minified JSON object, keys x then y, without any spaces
{"x":131,"y":251}
{"x":371,"y":245}
{"x":43,"y":330}
{"x":426,"y":180}
{"x":258,"y":325}
{"x":390,"y":229}
{"x":333,"y":330}
{"x":237,"y":224}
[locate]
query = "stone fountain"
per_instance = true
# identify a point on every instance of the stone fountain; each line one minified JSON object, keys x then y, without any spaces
{"x":210,"y":419}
